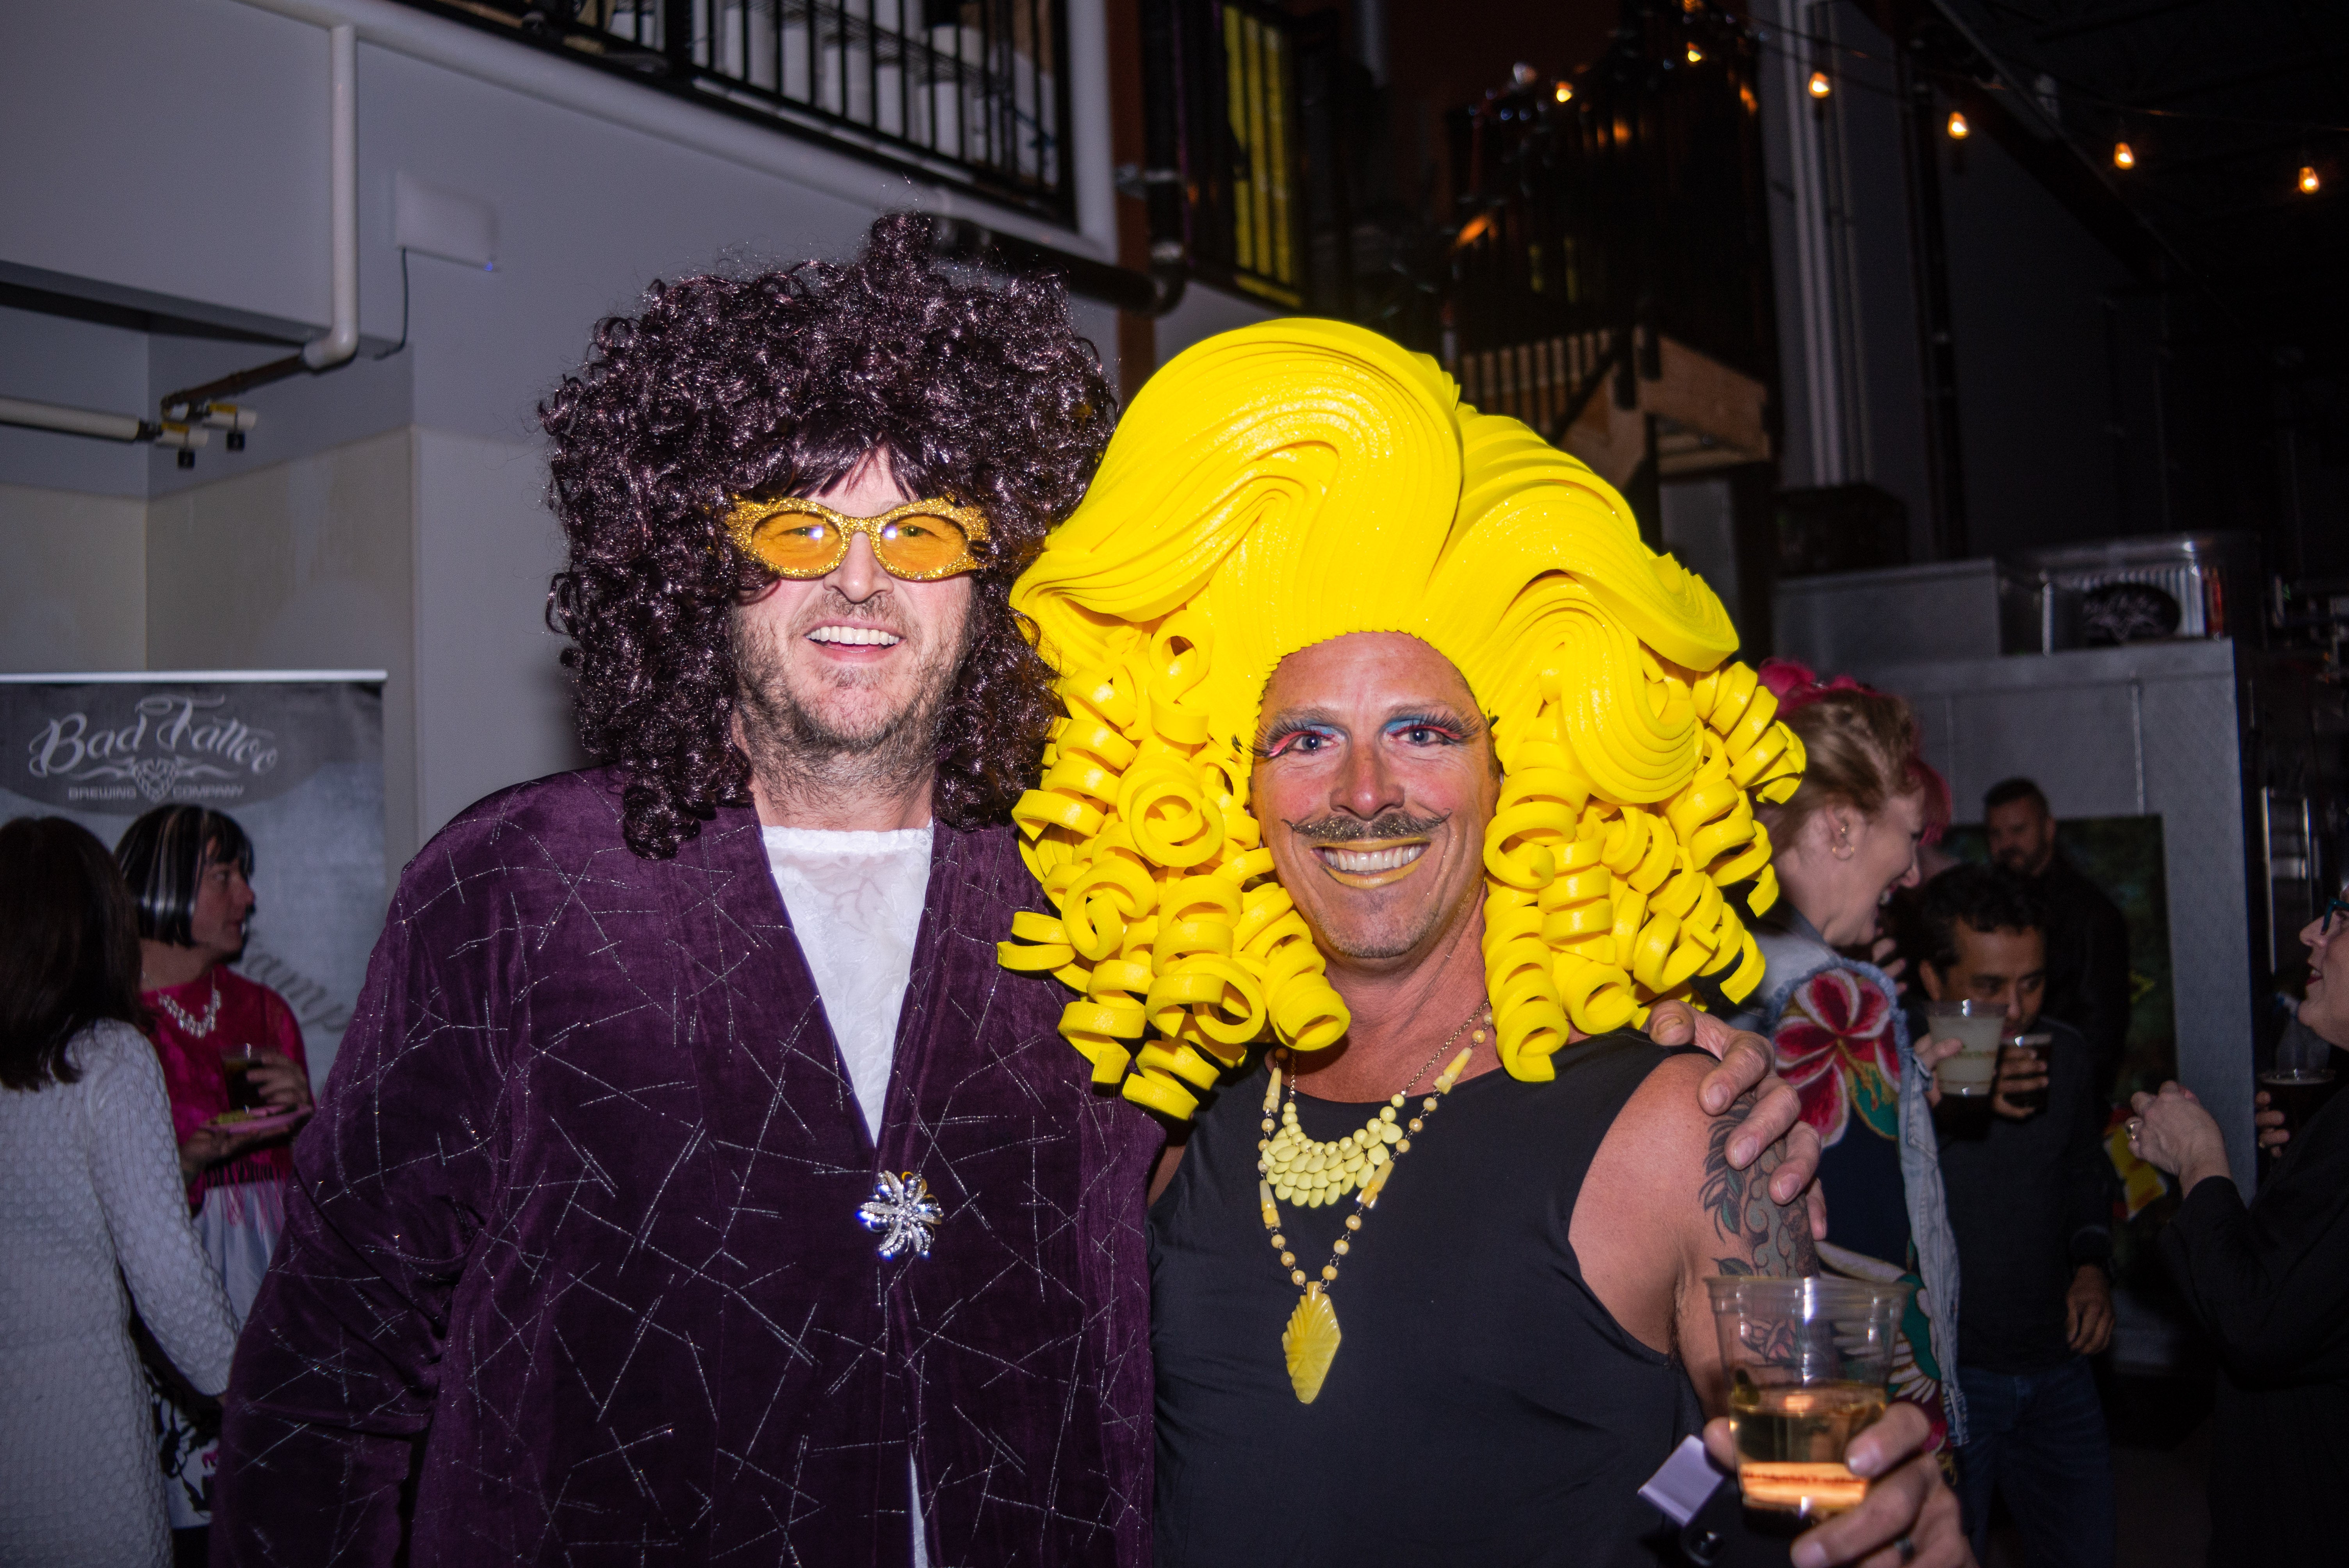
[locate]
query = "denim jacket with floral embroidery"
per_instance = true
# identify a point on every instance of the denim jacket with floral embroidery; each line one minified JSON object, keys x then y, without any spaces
{"x":1793,"y":952}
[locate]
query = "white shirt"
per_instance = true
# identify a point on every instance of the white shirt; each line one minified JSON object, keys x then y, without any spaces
{"x":855,"y":902}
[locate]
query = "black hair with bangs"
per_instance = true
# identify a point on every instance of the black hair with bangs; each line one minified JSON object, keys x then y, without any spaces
{"x":163,"y":855}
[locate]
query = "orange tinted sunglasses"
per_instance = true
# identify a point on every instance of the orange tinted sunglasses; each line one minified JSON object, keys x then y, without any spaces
{"x":919,"y":542}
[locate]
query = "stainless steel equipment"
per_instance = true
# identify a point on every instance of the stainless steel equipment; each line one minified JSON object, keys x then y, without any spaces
{"x":1904,"y":614}
{"x":2049,"y":599}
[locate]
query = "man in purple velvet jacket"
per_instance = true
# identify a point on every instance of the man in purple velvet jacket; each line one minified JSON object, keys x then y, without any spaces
{"x":692,"y":1184}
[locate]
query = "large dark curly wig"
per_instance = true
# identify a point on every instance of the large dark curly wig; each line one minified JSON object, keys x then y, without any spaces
{"x":777,"y":384}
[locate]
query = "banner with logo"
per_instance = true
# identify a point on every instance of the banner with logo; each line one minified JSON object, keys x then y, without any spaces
{"x":295,"y":757}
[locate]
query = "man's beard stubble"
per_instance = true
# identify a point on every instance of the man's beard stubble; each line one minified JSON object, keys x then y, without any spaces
{"x":795,"y":750}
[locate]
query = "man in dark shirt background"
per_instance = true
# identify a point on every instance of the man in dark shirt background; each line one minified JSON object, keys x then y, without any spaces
{"x":2088,"y":939}
{"x":2030,"y":1203}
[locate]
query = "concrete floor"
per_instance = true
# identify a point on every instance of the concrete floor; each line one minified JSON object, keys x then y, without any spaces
{"x":2160,"y":1517}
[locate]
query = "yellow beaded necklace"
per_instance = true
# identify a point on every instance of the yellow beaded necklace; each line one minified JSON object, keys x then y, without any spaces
{"x":1292,"y":1166}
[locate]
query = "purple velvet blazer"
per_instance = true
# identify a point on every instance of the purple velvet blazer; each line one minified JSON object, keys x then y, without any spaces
{"x":575,"y":1263}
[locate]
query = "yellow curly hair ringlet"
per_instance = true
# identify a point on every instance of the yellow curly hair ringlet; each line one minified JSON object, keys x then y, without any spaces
{"x":1298,"y":481}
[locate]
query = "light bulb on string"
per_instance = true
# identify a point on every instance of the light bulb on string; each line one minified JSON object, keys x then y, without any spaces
{"x":1564,"y":93}
{"x":1695,"y":55}
{"x":1820,"y":85}
{"x":2123,"y":157}
{"x":2308,"y":184}
{"x":1959,"y":128}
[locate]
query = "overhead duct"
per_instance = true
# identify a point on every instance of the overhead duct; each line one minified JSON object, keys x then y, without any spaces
{"x":340,"y":341}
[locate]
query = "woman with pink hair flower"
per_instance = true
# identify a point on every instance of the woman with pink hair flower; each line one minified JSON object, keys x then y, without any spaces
{"x":1849,"y":836}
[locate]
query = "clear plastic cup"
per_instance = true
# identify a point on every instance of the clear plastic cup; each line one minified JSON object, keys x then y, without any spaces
{"x":1809,"y":1364}
{"x":1972,"y":1072}
{"x":2029,"y":1046}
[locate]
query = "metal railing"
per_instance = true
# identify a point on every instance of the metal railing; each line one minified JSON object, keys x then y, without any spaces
{"x":1544,"y":383}
{"x":1242,"y":82}
{"x":1626,"y":201}
{"x":969,"y":93}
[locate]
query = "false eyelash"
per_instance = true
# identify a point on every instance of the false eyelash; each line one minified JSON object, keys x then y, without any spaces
{"x":1279,"y":733}
{"x":1452,"y":729}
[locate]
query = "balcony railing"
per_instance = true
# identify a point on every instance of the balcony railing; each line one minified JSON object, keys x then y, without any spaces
{"x":968,"y":93}
{"x":1629,"y":196}
{"x":1242,"y":90}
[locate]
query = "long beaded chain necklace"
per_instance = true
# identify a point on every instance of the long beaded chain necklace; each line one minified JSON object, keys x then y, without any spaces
{"x":1312,"y":1174}
{"x":197,"y":1026}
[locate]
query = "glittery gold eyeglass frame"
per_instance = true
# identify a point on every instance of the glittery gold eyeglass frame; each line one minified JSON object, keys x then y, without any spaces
{"x":919,"y":542}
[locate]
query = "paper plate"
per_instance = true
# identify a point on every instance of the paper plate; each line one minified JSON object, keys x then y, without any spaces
{"x":273,"y":1123}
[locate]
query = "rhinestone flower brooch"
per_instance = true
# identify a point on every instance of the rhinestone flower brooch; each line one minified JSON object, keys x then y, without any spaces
{"x":902,"y":1209}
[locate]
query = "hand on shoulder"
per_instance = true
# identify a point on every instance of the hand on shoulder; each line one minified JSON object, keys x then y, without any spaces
{"x":1664,"y":1175}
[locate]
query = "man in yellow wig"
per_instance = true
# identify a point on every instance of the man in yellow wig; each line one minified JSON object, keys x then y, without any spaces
{"x":1390,"y":748}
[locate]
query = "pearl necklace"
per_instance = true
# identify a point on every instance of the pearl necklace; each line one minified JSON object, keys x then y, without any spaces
{"x":198,"y":1027}
{"x":1312,"y":1174}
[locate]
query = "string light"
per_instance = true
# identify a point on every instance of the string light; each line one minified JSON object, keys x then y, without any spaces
{"x":1822,"y":84}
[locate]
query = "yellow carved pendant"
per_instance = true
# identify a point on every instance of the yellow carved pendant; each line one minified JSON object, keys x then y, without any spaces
{"x":1311,"y":1341}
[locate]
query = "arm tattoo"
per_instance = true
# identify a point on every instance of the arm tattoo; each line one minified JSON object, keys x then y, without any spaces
{"x":1764,"y":1237}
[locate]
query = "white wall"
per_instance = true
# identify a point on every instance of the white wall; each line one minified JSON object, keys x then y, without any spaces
{"x":492,"y":704}
{"x":308,"y":564}
{"x":171,"y":146}
{"x":1205,"y":311}
{"x":1699,"y":524}
{"x":77,"y":581}
{"x":82,"y":365}
{"x":175,"y":149}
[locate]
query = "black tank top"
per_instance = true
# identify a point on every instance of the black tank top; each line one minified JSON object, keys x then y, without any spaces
{"x":1483,"y":1408}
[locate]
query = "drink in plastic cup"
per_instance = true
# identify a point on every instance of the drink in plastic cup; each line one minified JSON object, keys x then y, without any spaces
{"x":2298,"y":1082}
{"x":2298,"y":1092}
{"x":237,"y":1063}
{"x":1973,"y":1073}
{"x":1809,"y":1361}
{"x":2032,"y":1047}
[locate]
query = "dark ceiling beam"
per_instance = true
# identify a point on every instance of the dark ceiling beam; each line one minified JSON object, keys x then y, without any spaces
{"x":2228,"y":82}
{"x":2112,"y":16}
{"x":2022,"y":132}
{"x":2324,"y":262}
{"x":2278,"y":198}
{"x":2154,"y":164}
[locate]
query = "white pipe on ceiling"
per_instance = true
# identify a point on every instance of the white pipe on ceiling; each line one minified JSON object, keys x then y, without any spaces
{"x":341,"y":340}
{"x":38,"y":415}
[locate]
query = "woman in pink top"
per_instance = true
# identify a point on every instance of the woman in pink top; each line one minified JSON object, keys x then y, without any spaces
{"x":229,"y":1048}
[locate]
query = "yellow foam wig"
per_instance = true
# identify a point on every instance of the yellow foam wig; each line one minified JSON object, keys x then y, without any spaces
{"x":1298,"y":481}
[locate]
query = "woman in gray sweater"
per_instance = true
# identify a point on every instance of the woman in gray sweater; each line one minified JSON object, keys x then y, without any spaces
{"x":94,"y":1219}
